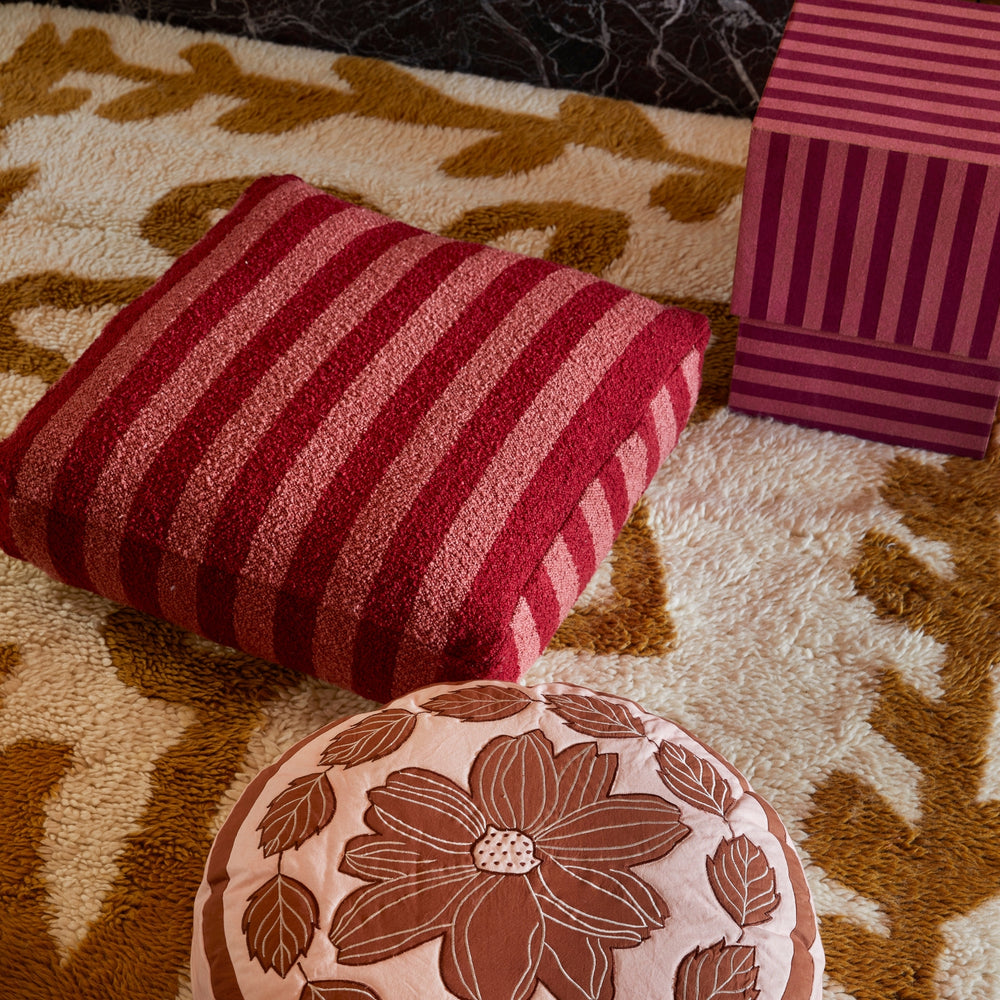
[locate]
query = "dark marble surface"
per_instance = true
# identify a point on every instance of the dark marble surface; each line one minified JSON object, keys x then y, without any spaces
{"x":699,"y":55}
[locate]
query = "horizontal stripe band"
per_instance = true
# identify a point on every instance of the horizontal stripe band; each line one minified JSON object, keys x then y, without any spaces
{"x":850,"y":347}
{"x":851,"y":376}
{"x":872,"y":408}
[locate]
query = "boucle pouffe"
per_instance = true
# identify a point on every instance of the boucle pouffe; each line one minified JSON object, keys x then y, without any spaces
{"x":490,"y":841}
{"x":343,"y":444}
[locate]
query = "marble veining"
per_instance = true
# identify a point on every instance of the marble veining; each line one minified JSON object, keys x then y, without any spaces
{"x":698,"y":55}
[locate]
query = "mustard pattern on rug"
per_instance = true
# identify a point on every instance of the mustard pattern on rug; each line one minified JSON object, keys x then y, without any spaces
{"x":267,"y":105}
{"x":138,"y":947}
{"x":922,"y":874}
{"x":61,"y":291}
{"x":13,"y":182}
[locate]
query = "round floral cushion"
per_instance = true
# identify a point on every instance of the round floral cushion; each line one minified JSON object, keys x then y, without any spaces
{"x":492,"y":841}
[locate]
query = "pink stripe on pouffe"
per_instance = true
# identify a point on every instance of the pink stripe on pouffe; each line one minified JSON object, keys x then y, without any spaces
{"x":356,"y":459}
{"x":47,"y":433}
{"x":166,"y":440}
{"x":213,"y":479}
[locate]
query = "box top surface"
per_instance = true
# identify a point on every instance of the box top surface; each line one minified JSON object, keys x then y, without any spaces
{"x":917,"y":76}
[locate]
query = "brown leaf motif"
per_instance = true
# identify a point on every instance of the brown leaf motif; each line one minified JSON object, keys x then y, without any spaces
{"x":743,"y":882}
{"x":297,"y":813}
{"x":693,"y":780}
{"x":719,"y":972}
{"x":337,"y":989}
{"x":480,"y":703}
{"x":533,"y":850}
{"x":279,"y":922}
{"x":594,"y":716}
{"x":374,"y":737}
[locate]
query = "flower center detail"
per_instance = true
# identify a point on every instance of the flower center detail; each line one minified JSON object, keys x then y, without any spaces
{"x":505,"y":852}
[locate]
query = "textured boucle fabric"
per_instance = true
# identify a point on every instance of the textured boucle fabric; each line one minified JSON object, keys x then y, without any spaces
{"x":338,"y":442}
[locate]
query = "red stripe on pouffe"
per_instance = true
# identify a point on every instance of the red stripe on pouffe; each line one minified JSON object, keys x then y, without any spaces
{"x":86,"y":458}
{"x":580,"y":543}
{"x":228,"y":547}
{"x":463,"y":550}
{"x":47,"y":430}
{"x":154,"y":506}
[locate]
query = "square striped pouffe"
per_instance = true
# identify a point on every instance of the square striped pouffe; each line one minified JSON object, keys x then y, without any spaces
{"x":355,"y":448}
{"x":568,"y":845}
{"x":867,"y":276}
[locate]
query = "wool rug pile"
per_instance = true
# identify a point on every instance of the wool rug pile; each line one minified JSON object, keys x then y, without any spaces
{"x":820,"y":610}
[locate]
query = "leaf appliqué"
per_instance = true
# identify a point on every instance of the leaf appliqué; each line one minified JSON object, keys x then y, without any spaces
{"x":718,"y":972}
{"x":743,"y":882}
{"x":337,"y":989}
{"x":279,"y":922}
{"x":374,"y":737}
{"x":595,"y":716}
{"x":480,"y":703}
{"x":693,"y":779}
{"x":297,"y":813}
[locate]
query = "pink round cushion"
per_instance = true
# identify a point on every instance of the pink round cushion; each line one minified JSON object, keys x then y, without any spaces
{"x":491,"y":841}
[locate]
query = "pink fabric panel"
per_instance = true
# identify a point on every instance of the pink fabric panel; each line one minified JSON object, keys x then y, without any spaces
{"x":888,"y":393}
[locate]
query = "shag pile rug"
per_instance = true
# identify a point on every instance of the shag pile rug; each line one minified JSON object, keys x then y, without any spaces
{"x":821,"y":610}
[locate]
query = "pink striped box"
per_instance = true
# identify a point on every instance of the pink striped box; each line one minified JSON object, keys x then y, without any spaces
{"x":867,"y":278}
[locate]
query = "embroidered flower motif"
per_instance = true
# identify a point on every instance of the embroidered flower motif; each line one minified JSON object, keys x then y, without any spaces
{"x":526,"y":877}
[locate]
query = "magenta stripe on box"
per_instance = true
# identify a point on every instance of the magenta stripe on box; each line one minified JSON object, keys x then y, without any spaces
{"x":923,"y":235}
{"x":888,"y":424}
{"x":833,"y":126}
{"x":936,"y":115}
{"x":845,"y":227}
{"x":776,"y":153}
{"x":943,"y":140}
{"x":985,"y":333}
{"x":959,"y":255}
{"x":928,"y":40}
{"x":875,"y":390}
{"x":885,"y":226}
{"x":893,"y":74}
{"x":867,"y":353}
{"x":805,"y":237}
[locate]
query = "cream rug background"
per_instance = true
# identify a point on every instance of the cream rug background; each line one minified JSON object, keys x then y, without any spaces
{"x":823,"y":611}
